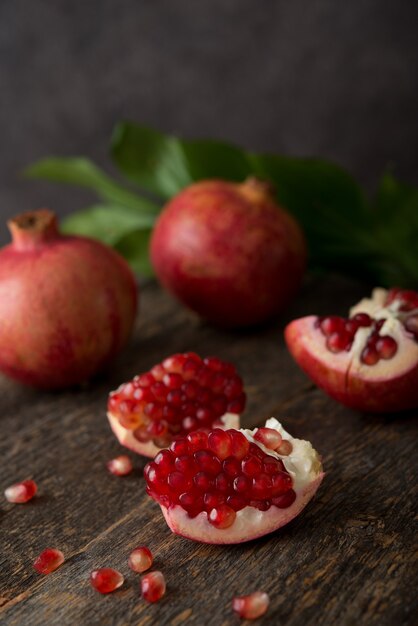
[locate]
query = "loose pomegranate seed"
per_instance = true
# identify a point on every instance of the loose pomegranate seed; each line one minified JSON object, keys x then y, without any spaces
{"x":252,"y":606}
{"x":285,"y":448}
{"x":386,"y":347}
{"x":191,"y":474}
{"x":20,"y":493}
{"x":106,"y":579}
{"x":120,"y":466}
{"x":140,"y":559}
{"x":48,"y":561}
{"x":268,"y":437}
{"x":153,"y":586}
{"x":178,"y":396}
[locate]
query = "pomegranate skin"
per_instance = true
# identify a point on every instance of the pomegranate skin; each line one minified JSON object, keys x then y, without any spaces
{"x":228,"y":252}
{"x":67,"y":304}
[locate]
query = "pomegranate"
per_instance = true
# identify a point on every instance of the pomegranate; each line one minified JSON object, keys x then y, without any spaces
{"x":153,"y":586}
{"x":140,"y":559}
{"x":106,"y":579}
{"x":48,"y":561}
{"x":369,"y":361}
{"x":229,"y":252}
{"x":251,"y":606}
{"x":226,"y":486}
{"x":67,"y":304}
{"x":179,"y":395}
{"x":19,"y":493}
{"x":120,"y":466}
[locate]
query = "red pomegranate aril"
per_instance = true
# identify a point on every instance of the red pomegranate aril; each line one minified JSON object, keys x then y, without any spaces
{"x":285,"y":500}
{"x":212,"y":500}
{"x":106,"y":579}
{"x":190,"y":369}
{"x":165,"y":461}
{"x":222,"y":517}
{"x":175,"y":397}
{"x":120,"y":465}
{"x":140,"y":559}
{"x":369,"y":355}
{"x":233,"y":387}
{"x":153,"y":586}
{"x":242,"y":484}
{"x":19,"y":493}
{"x":261,"y":486}
{"x":178,"y":482}
{"x":231,"y":466}
{"x":285,"y":449}
{"x":252,"y":606}
{"x":272,"y":465}
{"x":202,"y":481}
{"x":236,"y":502}
{"x":180,"y":446}
{"x":268,"y":437}
{"x":192,"y":503}
{"x":261,"y":505}
{"x":362,"y":319}
{"x":48,"y":561}
{"x":332,"y":324}
{"x":174,"y":364}
{"x":222,"y":483}
{"x":339,"y":341}
{"x":280,"y":483}
{"x":251,"y":466}
{"x":185,"y":464}
{"x":197,"y":440}
{"x":237,"y":406}
{"x":386,"y":347}
{"x":207,"y":462}
{"x":213,"y":363}
{"x":240,"y":444}
{"x":220,"y":442}
{"x":158,"y":372}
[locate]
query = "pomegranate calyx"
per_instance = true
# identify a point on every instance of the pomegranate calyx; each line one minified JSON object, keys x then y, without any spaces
{"x":31,"y":229}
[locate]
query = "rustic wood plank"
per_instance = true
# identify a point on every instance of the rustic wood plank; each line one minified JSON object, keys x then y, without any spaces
{"x":348,"y":559}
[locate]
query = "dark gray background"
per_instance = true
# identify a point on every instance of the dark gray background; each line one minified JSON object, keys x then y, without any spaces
{"x":328,"y":77}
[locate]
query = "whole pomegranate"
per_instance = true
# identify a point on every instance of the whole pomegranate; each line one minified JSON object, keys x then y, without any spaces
{"x":67,"y":304}
{"x":229,"y":252}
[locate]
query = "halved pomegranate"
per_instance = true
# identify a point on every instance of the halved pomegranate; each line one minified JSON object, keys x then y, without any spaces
{"x":226,"y":486}
{"x":368,"y":361}
{"x":182,"y":394}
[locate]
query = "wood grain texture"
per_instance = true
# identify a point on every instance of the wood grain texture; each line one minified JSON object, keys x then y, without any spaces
{"x":349,"y":558}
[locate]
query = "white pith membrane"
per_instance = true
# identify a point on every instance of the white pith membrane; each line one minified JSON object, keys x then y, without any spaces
{"x":303,"y":465}
{"x":126,"y":437}
{"x":308,"y":337}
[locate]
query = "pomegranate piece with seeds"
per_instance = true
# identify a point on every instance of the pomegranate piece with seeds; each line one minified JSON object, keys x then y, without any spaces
{"x":140,"y":559}
{"x":210,"y":497}
{"x":153,"y":586}
{"x":106,"y":579}
{"x":182,"y":394}
{"x":48,"y":561}
{"x":120,"y":466}
{"x":368,"y":361}
{"x":19,"y":493}
{"x":252,"y":606}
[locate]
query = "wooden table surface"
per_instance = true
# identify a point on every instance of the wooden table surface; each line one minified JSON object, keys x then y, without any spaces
{"x":348,"y":559}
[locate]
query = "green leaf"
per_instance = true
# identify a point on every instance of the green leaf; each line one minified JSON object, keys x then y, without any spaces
{"x":82,"y":172}
{"x":165,"y":164}
{"x":108,"y":223}
{"x":135,"y":248}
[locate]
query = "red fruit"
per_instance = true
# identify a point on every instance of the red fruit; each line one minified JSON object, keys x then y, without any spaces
{"x":19,"y":493}
{"x":373,"y":366}
{"x":229,"y":252}
{"x":252,"y":606}
{"x":48,"y":561}
{"x":67,"y":304}
{"x":268,"y":437}
{"x":153,"y":586}
{"x":106,"y":580}
{"x":146,"y":414}
{"x":140,"y":559}
{"x":120,"y":466}
{"x":214,"y":499}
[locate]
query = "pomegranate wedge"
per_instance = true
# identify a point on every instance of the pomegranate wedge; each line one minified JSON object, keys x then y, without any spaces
{"x":368,"y":361}
{"x":182,"y":394}
{"x":228,"y":487}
